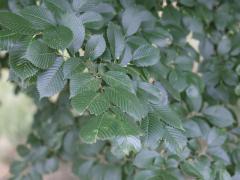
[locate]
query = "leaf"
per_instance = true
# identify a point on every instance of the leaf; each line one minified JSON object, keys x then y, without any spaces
{"x":131,"y":20}
{"x":219,"y":116}
{"x":72,"y":66}
{"x":127,"y":102}
{"x":174,"y":139}
{"x":118,"y":79}
{"x":124,"y":145}
{"x":16,"y":23}
{"x":159,"y":37}
{"x":92,"y":20}
{"x":59,"y":37}
{"x":152,"y":127}
{"x":95,"y":47}
{"x":107,"y":126}
{"x":191,"y":170}
{"x":174,"y":93}
{"x":83,"y":82}
{"x":115,"y":39}
{"x":127,"y":56}
{"x":95,"y":103}
{"x":51,"y":81}
{"x":75,"y":24}
{"x":51,"y":165}
{"x":40,"y":55}
{"x":163,"y":175}
{"x":58,"y":6}
{"x":22,"y":67}
{"x":40,"y":17}
{"x":146,"y":55}
{"x":145,"y":158}
{"x":224,"y":46}
{"x":156,"y":96}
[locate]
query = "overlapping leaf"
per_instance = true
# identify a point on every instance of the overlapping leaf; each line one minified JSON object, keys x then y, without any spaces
{"x":83,"y":82}
{"x":51,"y":81}
{"x":40,"y":55}
{"x":95,"y":103}
{"x":16,"y":23}
{"x":104,"y":127}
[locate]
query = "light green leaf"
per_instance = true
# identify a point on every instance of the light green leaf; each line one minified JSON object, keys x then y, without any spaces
{"x":107,"y":126}
{"x":83,"y":82}
{"x":59,"y":37}
{"x":51,"y":81}
{"x":95,"y":47}
{"x":115,"y":39}
{"x":146,"y":55}
{"x":75,"y":24}
{"x":127,"y":102}
{"x":40,"y":55}
{"x":118,"y":79}
{"x":16,"y":23}
{"x":95,"y":103}
{"x":40,"y":17}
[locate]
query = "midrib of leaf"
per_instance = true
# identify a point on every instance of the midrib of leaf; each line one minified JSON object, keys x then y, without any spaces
{"x":99,"y":125}
{"x":98,"y":94}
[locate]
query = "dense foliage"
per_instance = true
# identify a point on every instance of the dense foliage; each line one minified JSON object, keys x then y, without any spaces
{"x":122,"y":92}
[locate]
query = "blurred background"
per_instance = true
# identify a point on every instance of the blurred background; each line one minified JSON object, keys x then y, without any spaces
{"x":16,"y":114}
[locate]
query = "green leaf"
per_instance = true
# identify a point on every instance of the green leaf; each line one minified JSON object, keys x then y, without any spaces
{"x":75,"y":24}
{"x":58,"y":6}
{"x":146,"y":55}
{"x":115,"y":39}
{"x":219,"y":116}
{"x":72,"y":66}
{"x":127,"y":102}
{"x":51,"y":165}
{"x":163,"y":175}
{"x":95,"y":47}
{"x":152,"y":127}
{"x":131,"y":20}
{"x":174,"y":93}
{"x":16,"y":23}
{"x":156,"y":96}
{"x":92,"y":20}
{"x":118,"y":79}
{"x":51,"y":81}
{"x":169,"y":116}
{"x":95,"y":103}
{"x":191,"y":170}
{"x":83,"y":82}
{"x":59,"y":37}
{"x":40,"y":55}
{"x":22,"y":67}
{"x":145,"y":158}
{"x":40,"y":17}
{"x":124,"y":145}
{"x":107,"y":126}
{"x":174,"y":139}
{"x":159,"y":37}
{"x":224,"y":46}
